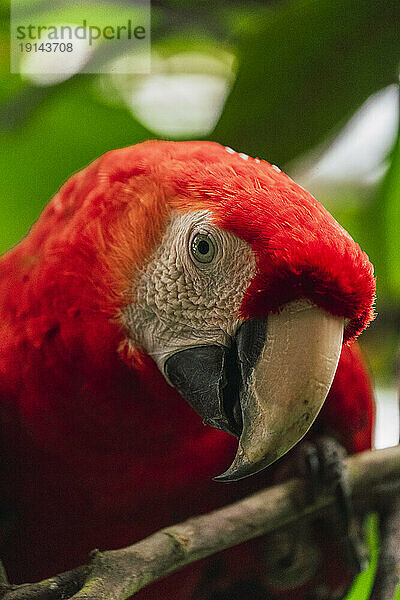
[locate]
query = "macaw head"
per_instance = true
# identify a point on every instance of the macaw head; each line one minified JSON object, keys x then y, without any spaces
{"x":233,"y":279}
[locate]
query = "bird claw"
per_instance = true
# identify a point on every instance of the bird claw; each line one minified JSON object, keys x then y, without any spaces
{"x":322,"y":463}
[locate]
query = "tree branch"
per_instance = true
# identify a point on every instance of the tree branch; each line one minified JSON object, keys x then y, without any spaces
{"x":117,"y":574}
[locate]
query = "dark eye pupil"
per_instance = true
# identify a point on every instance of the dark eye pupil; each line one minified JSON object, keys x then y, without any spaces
{"x":203,"y":247}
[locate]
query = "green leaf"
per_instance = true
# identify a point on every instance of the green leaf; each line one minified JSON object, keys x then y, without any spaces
{"x":363,"y":583}
{"x":304,"y":70}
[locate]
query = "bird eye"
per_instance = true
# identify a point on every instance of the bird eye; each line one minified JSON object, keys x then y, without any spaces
{"x":202,"y":248}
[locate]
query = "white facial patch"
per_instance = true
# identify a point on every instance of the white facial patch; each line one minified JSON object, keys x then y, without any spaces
{"x":180,"y":301}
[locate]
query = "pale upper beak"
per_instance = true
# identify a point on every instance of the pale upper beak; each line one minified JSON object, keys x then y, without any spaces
{"x":269,"y":387}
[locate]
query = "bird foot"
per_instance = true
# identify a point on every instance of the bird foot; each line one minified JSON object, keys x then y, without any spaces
{"x":323,"y":464}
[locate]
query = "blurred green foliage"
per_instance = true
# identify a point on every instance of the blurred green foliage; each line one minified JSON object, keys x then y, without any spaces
{"x":388,"y":202}
{"x":304,"y":67}
{"x":68,"y":129}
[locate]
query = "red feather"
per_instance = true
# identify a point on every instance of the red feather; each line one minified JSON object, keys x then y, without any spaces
{"x":100,"y":450}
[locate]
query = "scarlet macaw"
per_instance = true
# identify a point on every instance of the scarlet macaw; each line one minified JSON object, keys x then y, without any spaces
{"x":161,"y":272}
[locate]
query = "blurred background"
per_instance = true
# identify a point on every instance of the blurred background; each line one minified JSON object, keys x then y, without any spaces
{"x":311,"y":86}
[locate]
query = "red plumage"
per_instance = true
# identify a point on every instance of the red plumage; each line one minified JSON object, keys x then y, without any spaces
{"x":100,"y":450}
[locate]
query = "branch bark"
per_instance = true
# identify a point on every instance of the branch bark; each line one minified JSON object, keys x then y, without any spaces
{"x":118,"y":574}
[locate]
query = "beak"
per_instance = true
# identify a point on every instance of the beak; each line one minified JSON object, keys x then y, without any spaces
{"x":268,"y":387}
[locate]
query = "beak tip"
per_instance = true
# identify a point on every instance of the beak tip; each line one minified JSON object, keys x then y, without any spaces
{"x":231,"y":474}
{"x":224,"y":477}
{"x":242,"y":468}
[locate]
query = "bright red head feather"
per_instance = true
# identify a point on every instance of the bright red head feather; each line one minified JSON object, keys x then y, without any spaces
{"x":108,"y":217}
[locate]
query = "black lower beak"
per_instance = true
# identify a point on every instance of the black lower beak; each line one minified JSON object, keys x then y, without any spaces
{"x":200,"y":376}
{"x":213,"y":379}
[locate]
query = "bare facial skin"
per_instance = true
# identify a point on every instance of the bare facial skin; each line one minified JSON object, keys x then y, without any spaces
{"x":180,"y":301}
